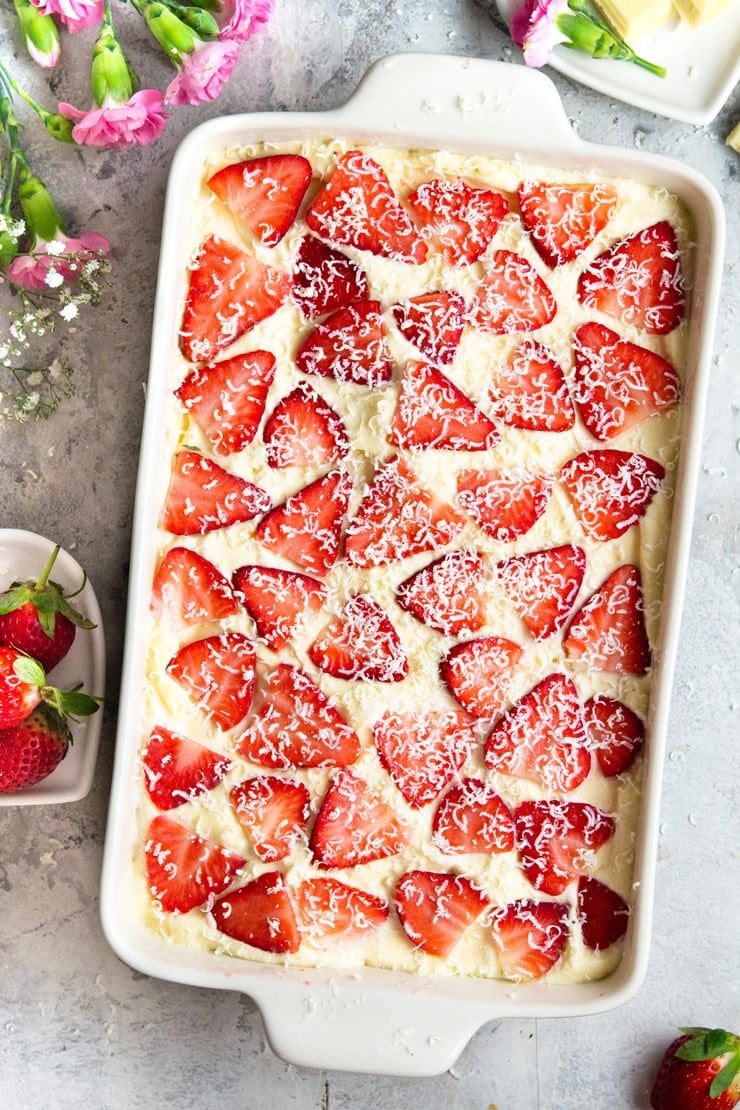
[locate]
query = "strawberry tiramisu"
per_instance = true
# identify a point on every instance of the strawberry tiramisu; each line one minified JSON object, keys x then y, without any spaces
{"x":423,"y":436}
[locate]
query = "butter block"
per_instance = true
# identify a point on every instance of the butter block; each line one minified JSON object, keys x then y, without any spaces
{"x":733,"y":139}
{"x":699,"y":11}
{"x":632,"y":19}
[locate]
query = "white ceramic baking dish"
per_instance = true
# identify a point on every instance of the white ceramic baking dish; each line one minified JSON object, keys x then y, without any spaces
{"x":375,"y":1020}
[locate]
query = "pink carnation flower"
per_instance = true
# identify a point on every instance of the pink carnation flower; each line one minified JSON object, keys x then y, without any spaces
{"x":203,"y":73}
{"x":240,"y":19}
{"x":139,"y":119}
{"x":534,"y":29}
{"x":74,"y":14}
{"x":31,"y":271}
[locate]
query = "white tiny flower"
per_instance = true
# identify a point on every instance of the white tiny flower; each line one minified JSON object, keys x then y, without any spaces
{"x":30,"y":402}
{"x":53,"y":279}
{"x":69,"y":312}
{"x":36,"y":378}
{"x":56,"y":369}
{"x":54,"y":246}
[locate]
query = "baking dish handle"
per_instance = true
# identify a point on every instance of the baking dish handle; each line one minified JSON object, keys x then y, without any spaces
{"x":476,"y":99}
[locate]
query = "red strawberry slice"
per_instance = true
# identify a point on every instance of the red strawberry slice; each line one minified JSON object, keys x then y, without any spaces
{"x":177,"y":769}
{"x":478,"y":673}
{"x":530,"y":392}
{"x":542,"y":738}
{"x":273,"y":813}
{"x":204,"y":497}
{"x":436,"y":908}
{"x":218,"y":673}
{"x":185,"y":870}
{"x":358,"y":208}
{"x":543,"y":586}
{"x":307,"y":527}
{"x":433,"y":413}
{"x":227,"y":398}
{"x":361,"y":643}
{"x":278,"y":601}
{"x":355,"y":826}
{"x":610,"y":490}
{"x":563,"y":220}
{"x":188,"y":588}
{"x":512,"y":297}
{"x":619,"y":384}
{"x":558,"y":841}
{"x":350,"y":346}
{"x":331,"y":912}
{"x":530,"y":937}
{"x":608,"y":631}
{"x":457,"y":219}
{"x":297,"y":725}
{"x":422,"y":752}
{"x":448,"y":594}
{"x":398,"y":517}
{"x":260,"y":914}
{"x":304,"y":430}
{"x":264,"y":193}
{"x":228,"y":293}
{"x":638,"y":280}
{"x":433,"y":322}
{"x":504,"y":503}
{"x":324,"y":279}
{"x":472,"y":818}
{"x":603,"y":915}
{"x":615,"y":733}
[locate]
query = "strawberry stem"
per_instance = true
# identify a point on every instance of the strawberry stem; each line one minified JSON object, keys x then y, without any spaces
{"x":47,"y":569}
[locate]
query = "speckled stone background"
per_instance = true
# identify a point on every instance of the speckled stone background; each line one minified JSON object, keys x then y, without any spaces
{"x":80,"y":1029}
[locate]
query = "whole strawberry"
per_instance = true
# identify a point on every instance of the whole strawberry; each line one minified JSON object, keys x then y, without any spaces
{"x":699,"y":1071}
{"x":37,"y":619}
{"x":31,"y":750}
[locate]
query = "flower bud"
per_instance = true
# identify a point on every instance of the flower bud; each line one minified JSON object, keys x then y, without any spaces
{"x":110,"y":76}
{"x":201,"y":22}
{"x":59,"y":127}
{"x":39,"y":34}
{"x":174,"y":36}
{"x":43,"y":218}
{"x":8,"y":249}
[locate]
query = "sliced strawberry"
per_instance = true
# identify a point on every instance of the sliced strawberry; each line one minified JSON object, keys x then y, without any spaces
{"x":218,"y":673}
{"x":358,"y":208}
{"x":331,"y":912}
{"x":188,"y":588}
{"x":177,"y":769}
{"x":325,"y":280}
{"x":563,"y":220}
{"x":602,"y":914}
{"x":610,"y":490}
{"x":433,"y":413}
{"x":608,"y":631}
{"x":543,"y":586}
{"x":398,"y":517}
{"x":615,"y":733}
{"x":278,"y":601}
{"x":304,"y":430}
{"x":619,"y":384}
{"x":436,"y":908}
{"x":185,"y":870}
{"x":227,"y":398}
{"x":542,"y":738}
{"x":273,"y":813}
{"x":228,"y":293}
{"x":361,"y":643}
{"x":260,"y":914}
{"x":264,"y":193}
{"x":638,"y":281}
{"x":457,"y":219}
{"x":433,"y":322}
{"x":350,"y":346}
{"x":448,"y":594}
{"x":557,"y":841}
{"x":355,"y":826}
{"x":297,"y":725}
{"x":504,"y":503}
{"x":512,"y":297}
{"x":204,"y":497}
{"x":530,"y":392}
{"x":472,"y":818}
{"x":422,"y":752}
{"x":478,"y":673}
{"x":307,"y":527}
{"x":530,"y":937}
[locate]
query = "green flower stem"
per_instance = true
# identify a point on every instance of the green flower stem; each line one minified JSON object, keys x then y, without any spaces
{"x":588,"y":32}
{"x":57,"y":126}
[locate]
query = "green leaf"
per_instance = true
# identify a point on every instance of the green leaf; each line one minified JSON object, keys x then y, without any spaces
{"x":12,"y":599}
{"x":74,"y":703}
{"x":724,"y":1078}
{"x":28,"y":670}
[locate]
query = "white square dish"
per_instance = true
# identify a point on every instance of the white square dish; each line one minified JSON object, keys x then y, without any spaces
{"x":374,"y":1020}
